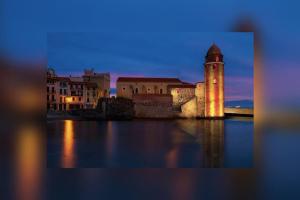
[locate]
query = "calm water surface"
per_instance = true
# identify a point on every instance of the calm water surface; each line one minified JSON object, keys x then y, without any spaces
{"x":150,"y":143}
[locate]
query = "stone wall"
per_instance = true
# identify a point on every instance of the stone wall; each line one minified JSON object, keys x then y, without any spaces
{"x":195,"y":106}
{"x":182,"y":94}
{"x":153,"y":106}
{"x":128,"y":89}
{"x":189,"y":109}
{"x":239,"y":111}
{"x":200,"y":94}
{"x":116,"y":108}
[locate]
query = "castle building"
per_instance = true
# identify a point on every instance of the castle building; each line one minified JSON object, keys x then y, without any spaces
{"x":128,"y":87}
{"x":72,"y":93}
{"x":203,"y":99}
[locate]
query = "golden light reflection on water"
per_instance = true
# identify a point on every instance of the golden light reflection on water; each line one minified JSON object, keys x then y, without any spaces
{"x":213,"y":143}
{"x":28,"y":163}
{"x":210,"y":136}
{"x":110,"y":140}
{"x":68,"y":155}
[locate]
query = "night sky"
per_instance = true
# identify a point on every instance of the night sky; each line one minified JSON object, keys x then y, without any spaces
{"x":26,"y":25}
{"x":164,"y":54}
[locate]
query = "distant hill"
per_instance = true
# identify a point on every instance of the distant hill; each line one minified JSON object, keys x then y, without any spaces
{"x":241,"y":103}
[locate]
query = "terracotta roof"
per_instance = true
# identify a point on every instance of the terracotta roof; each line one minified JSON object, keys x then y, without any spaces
{"x":147,"y":79}
{"x":182,"y":86}
{"x":214,"y":49}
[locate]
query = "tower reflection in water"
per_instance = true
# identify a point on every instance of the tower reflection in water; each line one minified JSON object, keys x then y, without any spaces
{"x":210,"y":136}
{"x":68,"y":154}
{"x":213,"y":143}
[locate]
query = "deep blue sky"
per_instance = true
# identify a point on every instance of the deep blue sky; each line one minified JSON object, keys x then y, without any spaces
{"x":25,"y":24}
{"x":164,"y":54}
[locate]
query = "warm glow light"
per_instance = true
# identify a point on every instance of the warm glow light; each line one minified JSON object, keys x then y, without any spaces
{"x":211,"y":94}
{"x":68,"y":99}
{"x":28,"y":163}
{"x":68,"y":160}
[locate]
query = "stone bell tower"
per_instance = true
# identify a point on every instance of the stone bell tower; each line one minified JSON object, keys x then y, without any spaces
{"x":214,"y":82}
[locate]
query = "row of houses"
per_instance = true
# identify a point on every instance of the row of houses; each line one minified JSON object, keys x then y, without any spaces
{"x":70,"y":93}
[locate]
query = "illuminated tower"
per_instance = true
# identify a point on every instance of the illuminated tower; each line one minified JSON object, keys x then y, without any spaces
{"x":214,"y":82}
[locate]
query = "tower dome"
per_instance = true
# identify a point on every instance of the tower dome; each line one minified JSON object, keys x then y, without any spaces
{"x":214,"y":54}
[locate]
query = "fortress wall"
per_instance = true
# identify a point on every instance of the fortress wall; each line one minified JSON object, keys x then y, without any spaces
{"x":200,"y":94}
{"x":182,"y":95}
{"x":153,"y":106}
{"x":238,"y":111}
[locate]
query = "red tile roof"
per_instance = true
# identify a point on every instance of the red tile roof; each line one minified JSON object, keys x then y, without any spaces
{"x":182,"y":86}
{"x":148,"y":79}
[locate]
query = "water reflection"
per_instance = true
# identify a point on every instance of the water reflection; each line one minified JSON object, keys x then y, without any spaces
{"x":213,"y":143}
{"x":210,"y":135}
{"x":111,"y":142}
{"x":150,"y":143}
{"x":28,"y":163}
{"x":68,"y":155}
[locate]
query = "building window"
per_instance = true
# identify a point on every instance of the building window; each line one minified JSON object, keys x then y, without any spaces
{"x":60,"y":99}
{"x":47,"y":89}
{"x":79,"y":99}
{"x":65,"y":91}
{"x":88,"y":100}
{"x":53,"y":99}
{"x":47,"y":97}
{"x":53,"y":89}
{"x":88,"y":94}
{"x":161,"y":91}
{"x":123,"y":88}
{"x":60,"y":91}
{"x":136,"y":90}
{"x":73,"y":99}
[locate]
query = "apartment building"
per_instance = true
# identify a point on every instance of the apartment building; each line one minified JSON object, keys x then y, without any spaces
{"x":72,"y":93}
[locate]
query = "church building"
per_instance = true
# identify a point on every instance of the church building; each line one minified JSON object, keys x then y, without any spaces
{"x":202,"y":99}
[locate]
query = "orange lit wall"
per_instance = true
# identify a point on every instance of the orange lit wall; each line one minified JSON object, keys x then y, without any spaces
{"x":214,"y":89}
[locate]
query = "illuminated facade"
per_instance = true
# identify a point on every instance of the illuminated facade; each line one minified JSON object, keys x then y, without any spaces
{"x":129,"y":86}
{"x":72,"y":93}
{"x":214,"y":82}
{"x":203,"y":99}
